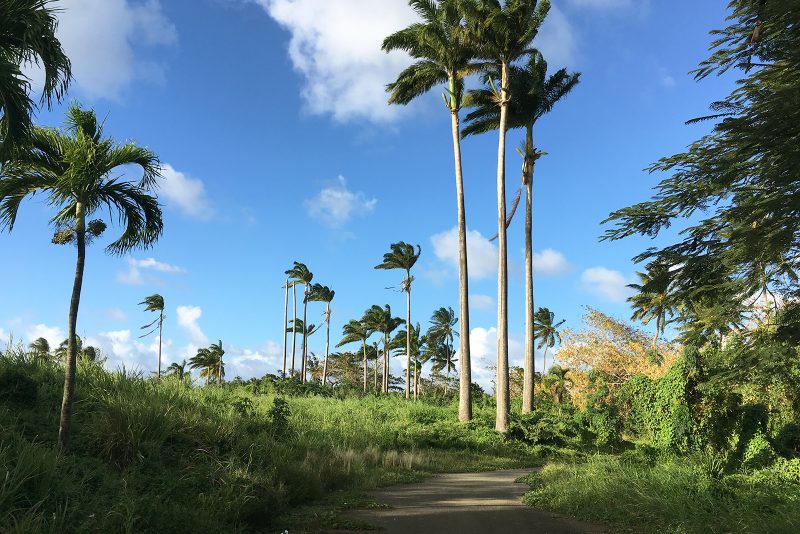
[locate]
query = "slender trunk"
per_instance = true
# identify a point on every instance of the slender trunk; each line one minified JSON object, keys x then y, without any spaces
{"x":528,"y":384}
{"x":305,"y":333}
{"x":658,"y":331}
{"x":408,"y":335}
{"x":544,"y":361}
{"x":386,"y":364}
{"x":219,"y":372}
{"x":285,"y":324}
{"x":377,"y":357}
{"x":447,"y":373}
{"x":364,"y":346}
{"x":502,"y":393}
{"x":294,"y":324}
{"x":327,"y":343}
{"x":416,"y":381}
{"x":72,"y":346}
{"x":465,"y":378}
{"x":160,"y":336}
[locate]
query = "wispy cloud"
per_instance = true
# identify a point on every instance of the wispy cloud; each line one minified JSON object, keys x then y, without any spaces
{"x":133,"y":276}
{"x":187,"y":319}
{"x":185,"y":193}
{"x":481,"y":302}
{"x":335,"y":204}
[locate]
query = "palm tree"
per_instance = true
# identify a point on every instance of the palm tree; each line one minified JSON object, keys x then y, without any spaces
{"x":285,"y":320}
{"x":442,"y":54}
{"x":209,"y":361}
{"x":354,"y":331}
{"x":380,"y":320}
{"x":441,"y":353}
{"x":502,"y":33}
{"x":558,"y":381}
{"x":401,"y":345}
{"x":299,"y":326}
{"x":76,"y":168}
{"x":155,"y":303}
{"x":403,"y":256}
{"x":300,"y":274}
{"x":535,"y":95}
{"x":653,"y":299}
{"x":87,"y":353}
{"x":320,"y":293}
{"x":546,"y":331}
{"x":40,"y":348}
{"x":27,"y":36}
{"x":176,"y":369}
{"x":442,"y":330}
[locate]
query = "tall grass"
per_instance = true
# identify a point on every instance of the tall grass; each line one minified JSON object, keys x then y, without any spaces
{"x":166,"y":457}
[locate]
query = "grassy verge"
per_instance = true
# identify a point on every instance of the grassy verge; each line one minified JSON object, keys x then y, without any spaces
{"x":676,"y":495}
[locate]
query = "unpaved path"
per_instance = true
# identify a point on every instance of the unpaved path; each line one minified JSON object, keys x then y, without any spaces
{"x":465,"y":503}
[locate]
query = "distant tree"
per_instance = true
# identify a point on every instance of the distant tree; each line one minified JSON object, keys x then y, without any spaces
{"x":155,"y":303}
{"x":546,"y":331}
{"x":40,"y":348}
{"x":28,"y":36}
{"x":88,"y":353}
{"x":78,"y":171}
{"x":300,"y":274}
{"x":177,"y":370}
{"x":557,"y":382}
{"x":440,"y":338}
{"x":653,"y":299}
{"x":380,"y":320}
{"x":400,"y":345}
{"x":403,"y":256}
{"x":210,"y":363}
{"x":439,"y":44}
{"x":355,"y":331}
{"x":299,"y":327}
{"x":320,"y":293}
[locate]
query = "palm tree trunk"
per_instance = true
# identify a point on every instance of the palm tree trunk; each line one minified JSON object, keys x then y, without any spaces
{"x":285,"y":319}
{"x":408,"y":335}
{"x":529,"y":365}
{"x":465,"y":378}
{"x":72,"y":347}
{"x":327,"y":343}
{"x":386,"y":364}
{"x":377,"y":357}
{"x":658,"y":331}
{"x":544,"y":361}
{"x":160,"y":335}
{"x":305,"y":332}
{"x":364,"y":347}
{"x":294,"y":323}
{"x":502,"y":392}
{"x":416,"y":381}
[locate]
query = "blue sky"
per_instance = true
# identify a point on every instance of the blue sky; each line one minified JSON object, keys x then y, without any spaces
{"x":277,"y":143}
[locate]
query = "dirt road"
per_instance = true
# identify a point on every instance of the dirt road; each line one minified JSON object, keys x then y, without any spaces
{"x":465,"y":503}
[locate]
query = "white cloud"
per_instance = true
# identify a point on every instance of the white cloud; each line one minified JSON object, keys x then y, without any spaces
{"x":253,"y":362}
{"x":481,"y":253}
{"x":53,"y":334}
{"x":611,"y":285}
{"x":556,"y":40}
{"x":133,"y":276}
{"x":335,"y":205}
{"x":186,"y":193}
{"x":115,"y":314}
{"x":187,"y":319}
{"x":336,"y":46}
{"x":550,"y":262}
{"x":99,"y":37}
{"x":481,"y":302}
{"x":483,"y":351}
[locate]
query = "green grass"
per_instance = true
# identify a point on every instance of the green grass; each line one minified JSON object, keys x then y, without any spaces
{"x":166,"y":457}
{"x":671,"y":495}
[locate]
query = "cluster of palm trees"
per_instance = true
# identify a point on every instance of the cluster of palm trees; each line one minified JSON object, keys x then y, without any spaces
{"x":456,"y":39}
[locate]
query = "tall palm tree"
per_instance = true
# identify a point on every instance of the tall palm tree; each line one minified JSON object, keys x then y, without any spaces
{"x":354,"y":331}
{"x":209,"y":361}
{"x":301,"y":275}
{"x":653,"y":299}
{"x":441,"y":353}
{"x":403,"y":256}
{"x":40,"y":348}
{"x":78,"y":170}
{"x":380,"y":320}
{"x":176,"y":369}
{"x":535,"y":94}
{"x":320,"y":293}
{"x":546,"y":331}
{"x":502,"y":34}
{"x":155,"y":303}
{"x":401,"y":346}
{"x":442,"y":329}
{"x":285,"y":320}
{"x":443,"y":56}
{"x":27,"y":36}
{"x":299,"y":326}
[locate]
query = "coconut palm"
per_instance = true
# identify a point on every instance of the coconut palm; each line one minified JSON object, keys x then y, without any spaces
{"x":209,"y":361}
{"x":380,"y":320}
{"x":354,"y":331}
{"x":28,"y":36}
{"x":87,"y":353}
{"x":403,"y":256}
{"x":299,"y":326}
{"x":546,"y":331}
{"x":443,"y":56}
{"x":77,"y":169}
{"x":502,"y":33}
{"x":535,"y":94}
{"x":155,"y":303}
{"x":320,"y":293}
{"x":557,"y":381}
{"x":176,"y":369}
{"x":442,"y":330}
{"x":300,"y":274}
{"x":401,"y":345}
{"x":40,"y":348}
{"x":442,"y":355}
{"x":653,"y":299}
